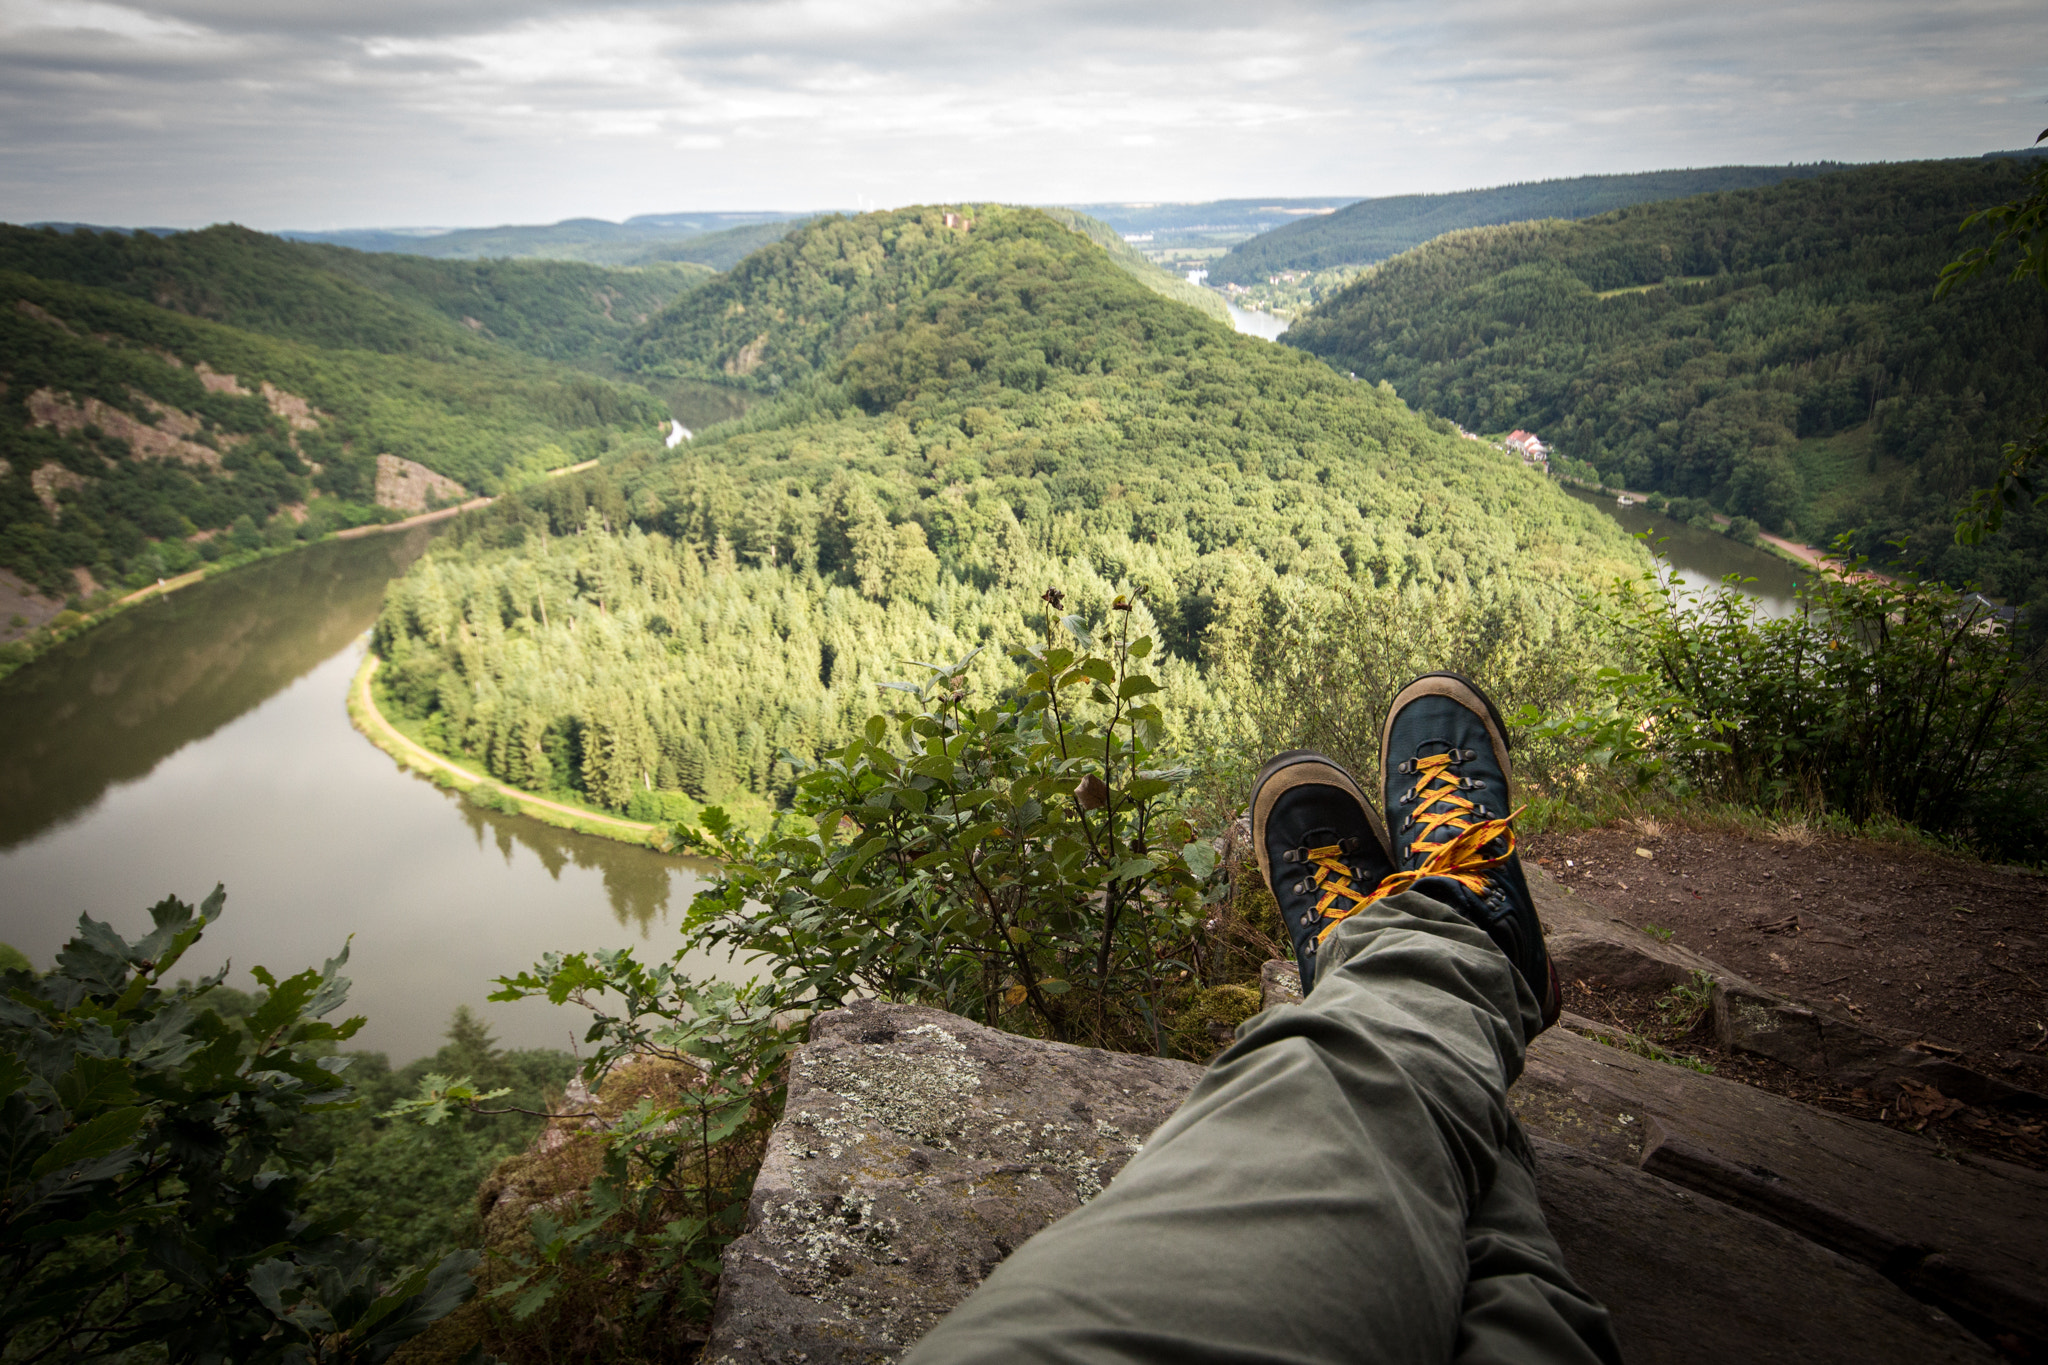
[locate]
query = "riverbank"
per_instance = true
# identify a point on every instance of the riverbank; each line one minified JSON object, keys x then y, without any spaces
{"x":486,"y":791}
{"x":1806,"y":556}
{"x":69,"y":625}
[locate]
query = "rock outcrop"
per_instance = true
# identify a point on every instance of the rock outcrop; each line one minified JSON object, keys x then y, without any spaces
{"x":1820,"y":1039}
{"x":916,"y":1150}
{"x":408,"y":486}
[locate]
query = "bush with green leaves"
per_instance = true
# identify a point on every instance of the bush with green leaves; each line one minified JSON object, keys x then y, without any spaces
{"x":153,"y":1197}
{"x":1021,"y":861}
{"x":1883,"y":698}
{"x":689,"y":1078}
{"x":1304,"y":665}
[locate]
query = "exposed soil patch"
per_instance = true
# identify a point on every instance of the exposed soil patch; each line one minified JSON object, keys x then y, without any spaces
{"x":1950,"y":951}
{"x":19,"y":599}
{"x":2011,"y":1134}
{"x":410,"y":486}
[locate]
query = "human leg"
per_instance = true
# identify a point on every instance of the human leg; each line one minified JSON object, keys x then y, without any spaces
{"x":1310,"y":1200}
{"x":1346,"y":1182}
{"x":1521,"y":1305}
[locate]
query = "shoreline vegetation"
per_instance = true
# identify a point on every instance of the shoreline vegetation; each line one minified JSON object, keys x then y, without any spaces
{"x":19,"y":654}
{"x":369,"y":719}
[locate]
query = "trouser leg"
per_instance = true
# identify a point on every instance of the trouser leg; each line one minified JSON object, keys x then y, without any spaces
{"x":1310,"y":1200}
{"x":1520,"y":1304}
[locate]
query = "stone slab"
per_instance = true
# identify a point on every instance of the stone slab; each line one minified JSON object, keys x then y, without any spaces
{"x":1963,"y":1230}
{"x":1691,"y":1281}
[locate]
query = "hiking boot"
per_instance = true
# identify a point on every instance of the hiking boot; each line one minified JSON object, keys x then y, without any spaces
{"x":1444,"y":760}
{"x":1320,"y":847}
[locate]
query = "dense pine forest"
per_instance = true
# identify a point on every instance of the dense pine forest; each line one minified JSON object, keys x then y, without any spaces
{"x":1777,"y":352}
{"x":170,"y":398}
{"x":1374,"y":229}
{"x":963,"y":416}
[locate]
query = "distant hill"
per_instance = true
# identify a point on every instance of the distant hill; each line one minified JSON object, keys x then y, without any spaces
{"x":1374,"y":229}
{"x":559,"y":310}
{"x":1154,"y":277}
{"x":821,"y":305}
{"x":1214,"y":221}
{"x":718,"y":240}
{"x":1776,"y":352}
{"x":166,"y":397}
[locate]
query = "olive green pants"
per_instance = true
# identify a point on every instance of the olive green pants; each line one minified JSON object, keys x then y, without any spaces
{"x":1345,"y":1183}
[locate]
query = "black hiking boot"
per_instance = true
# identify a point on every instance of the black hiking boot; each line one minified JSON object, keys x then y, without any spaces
{"x":1444,"y":760}
{"x":1320,"y":846}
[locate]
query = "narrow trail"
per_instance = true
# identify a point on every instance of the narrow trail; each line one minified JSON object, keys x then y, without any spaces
{"x":370,"y":718}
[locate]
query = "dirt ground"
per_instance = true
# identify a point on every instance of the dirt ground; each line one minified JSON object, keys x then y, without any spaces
{"x":1951,"y":951}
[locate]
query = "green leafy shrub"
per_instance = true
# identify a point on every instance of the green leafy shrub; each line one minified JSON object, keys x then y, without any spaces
{"x":1308,"y":666}
{"x":153,"y":1196}
{"x":1884,"y":697}
{"x":623,"y":1219}
{"x":1020,"y":862}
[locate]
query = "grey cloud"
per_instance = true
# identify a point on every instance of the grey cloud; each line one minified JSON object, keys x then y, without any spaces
{"x":452,"y":111}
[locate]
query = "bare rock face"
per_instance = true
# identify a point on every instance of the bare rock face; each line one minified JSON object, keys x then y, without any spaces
{"x":916,"y":1151}
{"x":1958,"y":1230}
{"x":409,"y":486}
{"x":1690,"y":1281}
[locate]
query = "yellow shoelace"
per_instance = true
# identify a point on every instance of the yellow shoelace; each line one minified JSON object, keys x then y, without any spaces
{"x":1333,"y":875}
{"x":1459,"y":858}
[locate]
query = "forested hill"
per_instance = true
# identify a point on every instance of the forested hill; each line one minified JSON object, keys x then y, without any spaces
{"x":330,"y":296}
{"x":715,"y":240}
{"x":791,"y":310}
{"x":1374,"y":229}
{"x":967,"y":416}
{"x":1777,"y":351}
{"x":167,"y":398}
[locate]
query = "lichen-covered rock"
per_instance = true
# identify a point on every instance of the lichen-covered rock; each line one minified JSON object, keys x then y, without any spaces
{"x":1280,"y":983}
{"x":916,"y":1151}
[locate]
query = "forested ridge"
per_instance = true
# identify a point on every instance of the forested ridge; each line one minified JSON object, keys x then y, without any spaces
{"x":159,"y":390}
{"x":716,"y":241}
{"x":965,"y":418}
{"x":1374,"y":229}
{"x":1775,"y":351}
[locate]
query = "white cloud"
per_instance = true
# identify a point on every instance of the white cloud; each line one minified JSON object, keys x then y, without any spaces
{"x":323,"y":113}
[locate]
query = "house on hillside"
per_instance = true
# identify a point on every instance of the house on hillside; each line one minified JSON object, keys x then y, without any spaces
{"x":1532,"y":451}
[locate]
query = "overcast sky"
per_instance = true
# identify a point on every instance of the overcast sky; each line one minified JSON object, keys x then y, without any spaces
{"x":355,"y":113}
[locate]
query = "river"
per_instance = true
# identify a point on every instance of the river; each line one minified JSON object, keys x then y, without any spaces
{"x":1702,"y":559}
{"x":204,"y":737}
{"x":1263,"y":325}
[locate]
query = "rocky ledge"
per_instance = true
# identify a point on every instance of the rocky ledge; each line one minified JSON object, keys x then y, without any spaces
{"x":918,"y":1149}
